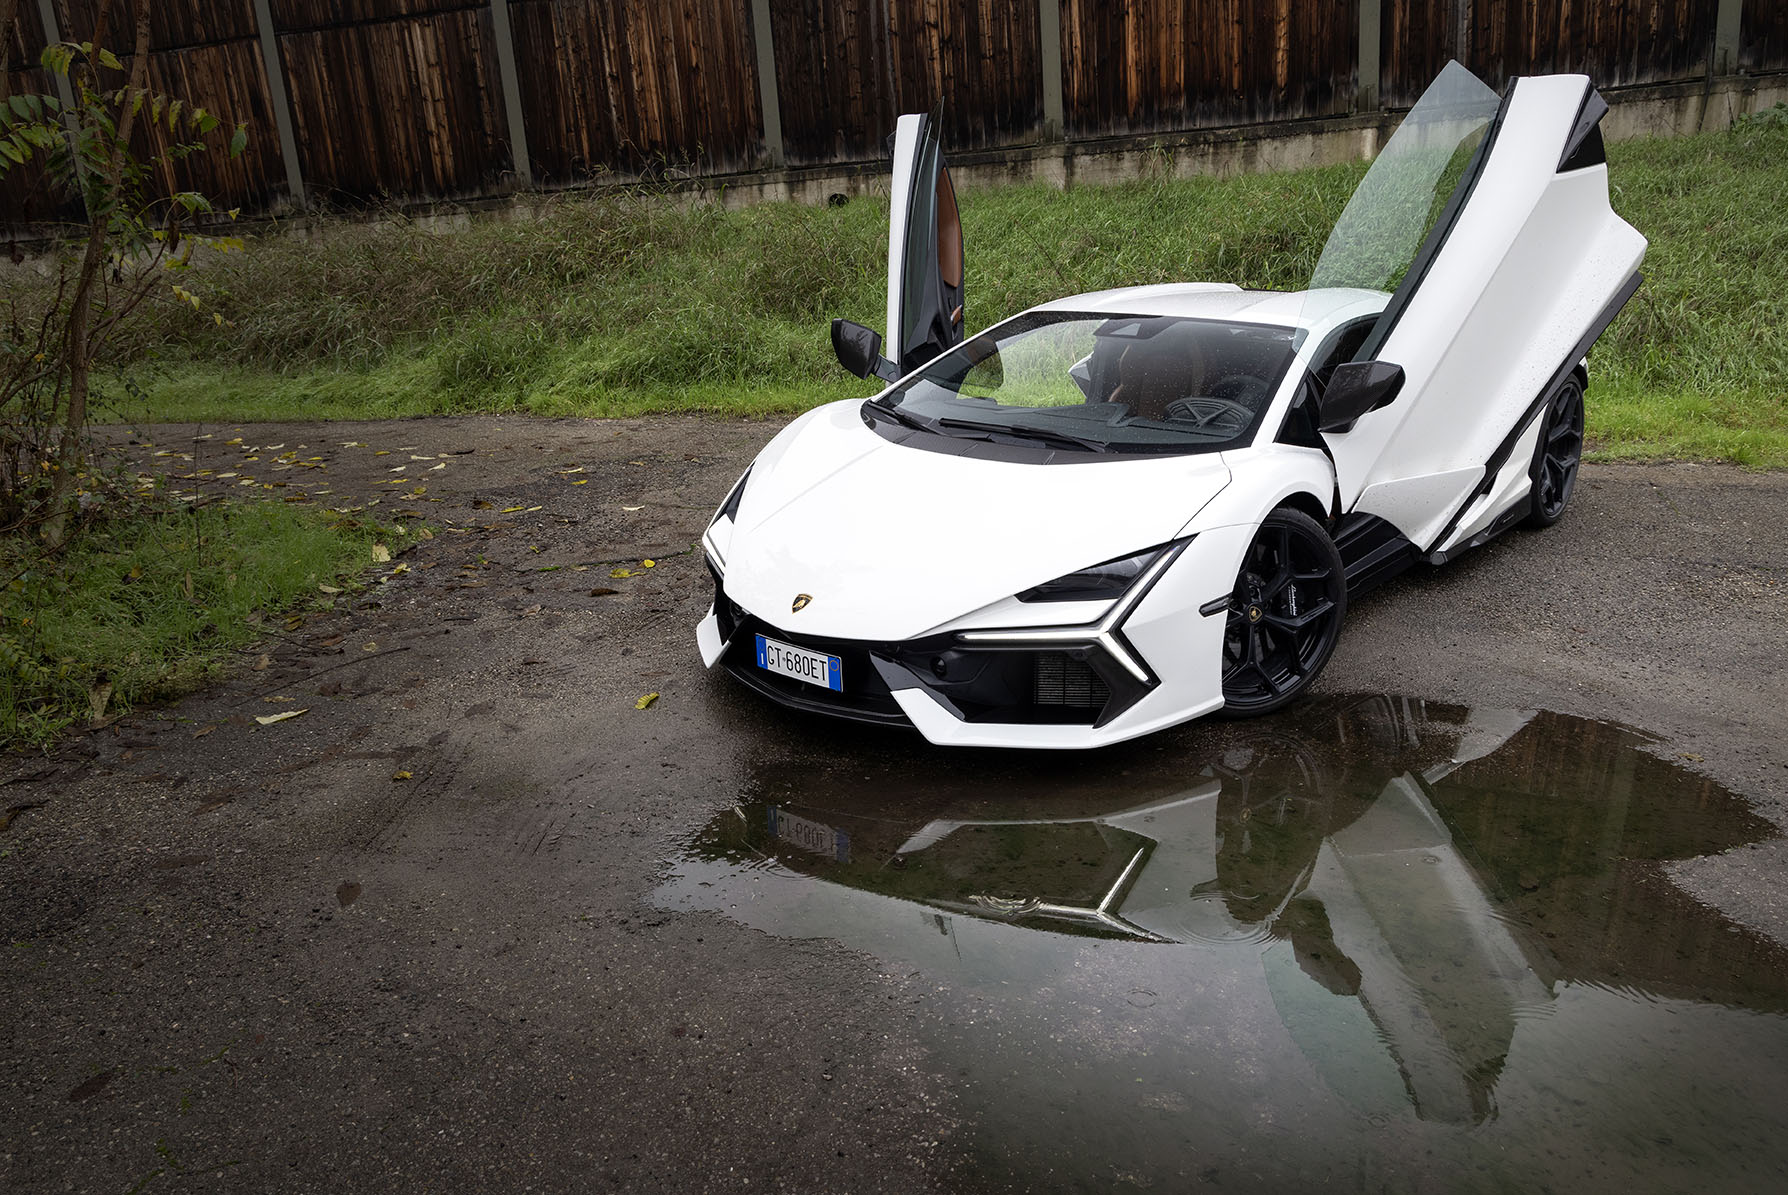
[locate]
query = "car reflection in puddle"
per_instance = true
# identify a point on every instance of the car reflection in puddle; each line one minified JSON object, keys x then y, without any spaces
{"x":1376,"y":942}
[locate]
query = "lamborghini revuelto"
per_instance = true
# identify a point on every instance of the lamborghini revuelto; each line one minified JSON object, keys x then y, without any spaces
{"x":1115,"y":512}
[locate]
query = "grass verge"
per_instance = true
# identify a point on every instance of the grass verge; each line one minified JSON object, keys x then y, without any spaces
{"x":148,"y":605}
{"x":623,"y":303}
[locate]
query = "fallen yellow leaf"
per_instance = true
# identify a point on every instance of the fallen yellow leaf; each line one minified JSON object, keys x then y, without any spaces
{"x":400,"y":775}
{"x":270,"y":719}
{"x":380,"y":554}
{"x":643,"y":702}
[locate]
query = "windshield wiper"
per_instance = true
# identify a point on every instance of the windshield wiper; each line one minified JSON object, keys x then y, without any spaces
{"x":1025,"y":432}
{"x":904,"y":418}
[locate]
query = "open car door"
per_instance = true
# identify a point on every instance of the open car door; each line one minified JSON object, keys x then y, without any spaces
{"x":924,"y":249}
{"x":1489,"y":221}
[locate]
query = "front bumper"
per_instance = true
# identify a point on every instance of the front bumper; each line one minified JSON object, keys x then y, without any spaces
{"x":1155,"y":664}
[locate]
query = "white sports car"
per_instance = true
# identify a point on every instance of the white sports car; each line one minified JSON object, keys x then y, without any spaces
{"x":1122,"y":510}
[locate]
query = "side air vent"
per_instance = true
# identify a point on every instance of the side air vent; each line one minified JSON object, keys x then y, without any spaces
{"x":1061,"y":680}
{"x":1584,"y":145}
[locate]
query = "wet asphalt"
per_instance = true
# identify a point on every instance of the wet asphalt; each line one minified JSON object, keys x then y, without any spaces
{"x":407,"y":938}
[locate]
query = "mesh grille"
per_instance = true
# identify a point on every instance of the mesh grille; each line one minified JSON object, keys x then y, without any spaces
{"x":1064,"y":681}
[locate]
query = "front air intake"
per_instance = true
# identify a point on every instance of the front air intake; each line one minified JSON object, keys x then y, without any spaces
{"x":1062,"y":680}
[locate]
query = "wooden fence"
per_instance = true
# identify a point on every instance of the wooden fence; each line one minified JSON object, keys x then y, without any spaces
{"x":364,"y":101}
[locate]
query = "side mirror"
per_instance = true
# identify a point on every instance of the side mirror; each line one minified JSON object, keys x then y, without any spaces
{"x":1354,"y":389}
{"x":859,"y":350}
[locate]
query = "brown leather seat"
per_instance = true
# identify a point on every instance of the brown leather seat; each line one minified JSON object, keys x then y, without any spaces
{"x":1155,"y":372}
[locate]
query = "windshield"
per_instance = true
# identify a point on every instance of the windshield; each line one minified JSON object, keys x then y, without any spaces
{"x":1102,"y":383}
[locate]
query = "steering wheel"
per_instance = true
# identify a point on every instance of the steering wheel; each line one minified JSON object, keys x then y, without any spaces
{"x":1206,"y":411}
{"x":1242,"y":387}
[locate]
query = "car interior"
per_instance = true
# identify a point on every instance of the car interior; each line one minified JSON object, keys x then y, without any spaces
{"x":1176,"y":371}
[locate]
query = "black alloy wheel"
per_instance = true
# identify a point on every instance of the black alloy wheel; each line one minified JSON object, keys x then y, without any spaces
{"x":1284,"y":616}
{"x":1557,"y":456}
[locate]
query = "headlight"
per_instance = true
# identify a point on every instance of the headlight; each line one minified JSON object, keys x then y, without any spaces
{"x":1099,"y":582}
{"x":719,"y":535}
{"x":730,"y":508}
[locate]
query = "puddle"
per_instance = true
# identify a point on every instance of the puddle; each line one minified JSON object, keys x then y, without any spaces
{"x":1376,"y":944}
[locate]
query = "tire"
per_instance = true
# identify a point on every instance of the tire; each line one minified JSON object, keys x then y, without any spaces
{"x":1557,"y":455}
{"x":1284,"y":615}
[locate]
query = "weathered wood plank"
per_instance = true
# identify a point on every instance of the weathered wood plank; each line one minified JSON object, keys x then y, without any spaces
{"x":613,"y":86}
{"x":398,"y":108}
{"x":847,"y":68}
{"x":1763,"y":36}
{"x":401,"y":98}
{"x":173,"y":24}
{"x":1615,"y":42}
{"x":308,"y":16}
{"x":1140,"y":68}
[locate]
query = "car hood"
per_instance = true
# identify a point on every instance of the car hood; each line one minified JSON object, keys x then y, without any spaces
{"x":892,"y":541}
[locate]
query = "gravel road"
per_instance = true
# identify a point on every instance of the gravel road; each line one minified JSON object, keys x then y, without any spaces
{"x":402,"y":939}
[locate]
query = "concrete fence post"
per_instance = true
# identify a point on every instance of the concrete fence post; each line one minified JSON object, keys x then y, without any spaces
{"x":1371,"y":30}
{"x":1049,"y":29}
{"x":768,"y":99}
{"x":1726,"y":37}
{"x":281,"y":103}
{"x":46,"y":9}
{"x":511,"y":85}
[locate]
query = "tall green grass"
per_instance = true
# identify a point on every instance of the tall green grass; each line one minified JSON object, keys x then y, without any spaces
{"x":147,"y":605}
{"x":624,"y":303}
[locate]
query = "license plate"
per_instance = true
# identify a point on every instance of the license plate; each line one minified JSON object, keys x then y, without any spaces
{"x":813,"y":836}
{"x":814,"y":667}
